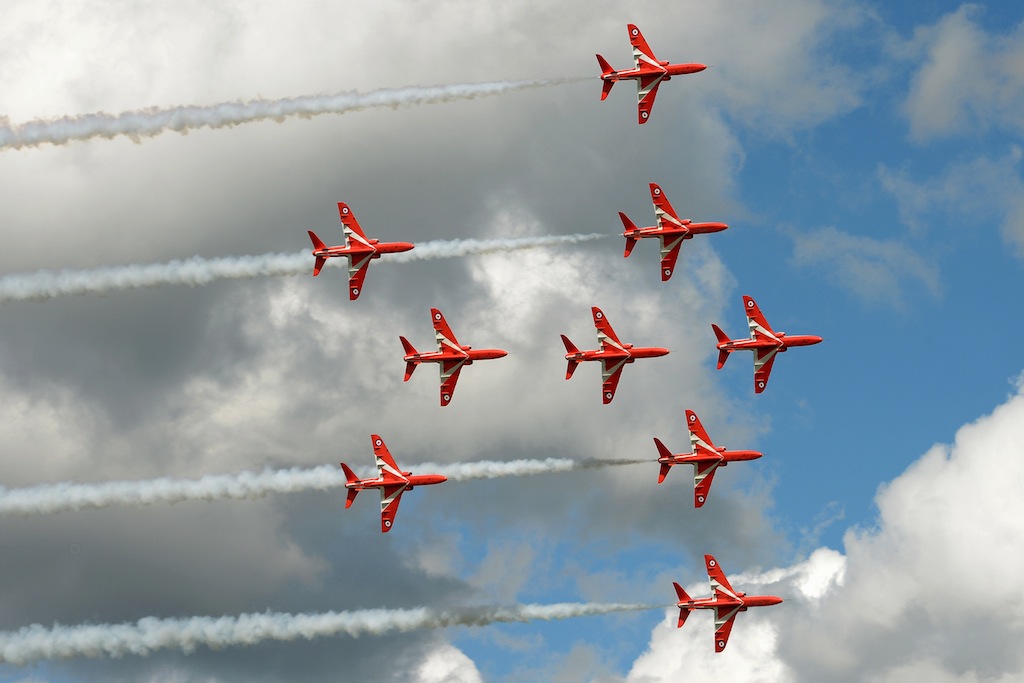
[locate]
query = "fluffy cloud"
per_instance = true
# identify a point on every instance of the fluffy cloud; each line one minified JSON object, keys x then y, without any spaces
{"x":927,"y":594}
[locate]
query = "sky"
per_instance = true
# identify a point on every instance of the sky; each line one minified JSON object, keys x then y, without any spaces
{"x":867,"y":158}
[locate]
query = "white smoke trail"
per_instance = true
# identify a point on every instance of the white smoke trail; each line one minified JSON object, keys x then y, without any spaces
{"x":48,"y":284}
{"x":152,"y":122}
{"x":36,"y":642}
{"x":70,"y":496}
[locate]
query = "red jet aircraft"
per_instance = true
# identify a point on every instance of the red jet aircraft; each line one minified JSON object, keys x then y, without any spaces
{"x":391,"y":481}
{"x":359,"y":250}
{"x":671,"y":230}
{"x":613,"y":355}
{"x":726,"y":602}
{"x":450,"y":354}
{"x":647,"y":71}
{"x":705,"y":457}
{"x":764,"y":342}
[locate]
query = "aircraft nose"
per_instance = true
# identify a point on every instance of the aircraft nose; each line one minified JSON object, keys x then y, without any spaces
{"x":816,"y":339}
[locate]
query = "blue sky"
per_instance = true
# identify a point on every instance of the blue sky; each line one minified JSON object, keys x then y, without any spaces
{"x":868,"y":161}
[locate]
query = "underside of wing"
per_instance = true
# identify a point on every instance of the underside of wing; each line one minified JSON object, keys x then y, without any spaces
{"x":610,"y":374}
{"x":646,"y":91}
{"x":357,"y":267}
{"x":700,"y":442}
{"x":387,"y":468}
{"x":703,"y":474}
{"x":445,"y":337}
{"x":605,"y":334}
{"x":642,"y":53}
{"x":759,"y":327}
{"x":719,"y":584}
{"x":350,"y":226}
{"x":670,"y":245}
{"x":723,"y":629}
{"x":390,"y":497}
{"x":763,"y":361}
{"x":449,"y":376}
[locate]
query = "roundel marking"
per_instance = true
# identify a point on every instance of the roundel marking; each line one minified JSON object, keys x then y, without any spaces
{"x":608,"y":395}
{"x":721,"y":643}
{"x":760,"y":385}
{"x":693,"y":418}
{"x":599,"y":315}
{"x":437,"y":316}
{"x":447,"y":397}
{"x":378,"y":442}
{"x":344,"y":210}
{"x":712,"y":563}
{"x":635,"y":31}
{"x":387,"y":523}
{"x":657,"y":190}
{"x":668,"y":271}
{"x":355,"y":290}
{"x":644,"y":114}
{"x":750,"y":304}
{"x":700,"y":499}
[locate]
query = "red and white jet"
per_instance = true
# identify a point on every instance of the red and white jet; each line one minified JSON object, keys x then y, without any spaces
{"x":647,"y":71}
{"x":613,"y":355}
{"x":358,"y":248}
{"x":450,"y":354}
{"x":764,"y":342}
{"x":726,"y":602}
{"x":671,"y":230}
{"x":705,"y":457}
{"x":391,"y":481}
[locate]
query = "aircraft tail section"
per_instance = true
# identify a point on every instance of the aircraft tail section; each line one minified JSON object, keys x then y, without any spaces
{"x":606,"y":69}
{"x":723,"y":354}
{"x":410,"y":350}
{"x":683,"y":597}
{"x":317,"y":243}
{"x":629,"y":232}
{"x":317,"y":246}
{"x":570,"y":349}
{"x":351,"y":477}
{"x":663,"y":452}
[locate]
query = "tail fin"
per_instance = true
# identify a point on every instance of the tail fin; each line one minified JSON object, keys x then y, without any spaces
{"x":630,"y":230}
{"x":683,"y":597}
{"x":317,"y":245}
{"x":664,"y":453}
{"x":606,"y":68}
{"x":351,"y":477}
{"x":570,"y":349}
{"x":723,"y":354}
{"x":410,"y":366}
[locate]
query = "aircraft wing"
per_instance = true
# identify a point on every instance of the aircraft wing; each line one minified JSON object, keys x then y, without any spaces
{"x":646,"y":91}
{"x":605,"y":333}
{"x":642,"y":52}
{"x":663,"y":211}
{"x":700,"y":442}
{"x":445,"y":337}
{"x":724,"y":619}
{"x":390,"y":497}
{"x":610,"y":373}
{"x":763,"y":361}
{"x":759,"y":327}
{"x":450,"y":370}
{"x":719,"y":584}
{"x":670,"y":245}
{"x":358,"y":264}
{"x":353,"y":233}
{"x":703,"y":473}
{"x":387,"y":469}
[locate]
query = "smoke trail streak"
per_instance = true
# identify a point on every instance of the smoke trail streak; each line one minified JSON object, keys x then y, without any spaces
{"x":36,"y":642}
{"x":48,"y":284}
{"x":69,"y":496}
{"x":151,"y":122}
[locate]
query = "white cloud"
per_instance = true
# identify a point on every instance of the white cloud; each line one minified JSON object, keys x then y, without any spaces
{"x":970,"y":79}
{"x":447,"y":664}
{"x":931,"y":593}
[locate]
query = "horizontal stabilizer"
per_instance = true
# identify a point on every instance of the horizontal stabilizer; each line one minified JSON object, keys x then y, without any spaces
{"x":410,"y":367}
{"x":317,"y":244}
{"x":606,"y":68}
{"x":349,"y":474}
{"x":351,"y":497}
{"x":409,"y":348}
